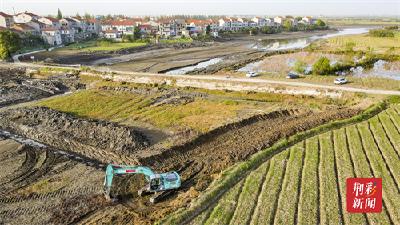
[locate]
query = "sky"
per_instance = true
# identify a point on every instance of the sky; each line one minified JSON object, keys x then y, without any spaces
{"x":207,"y":7}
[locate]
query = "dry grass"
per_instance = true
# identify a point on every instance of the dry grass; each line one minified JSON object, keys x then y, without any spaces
{"x":364,"y":42}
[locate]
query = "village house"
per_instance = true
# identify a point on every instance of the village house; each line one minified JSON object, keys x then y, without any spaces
{"x":93,"y":26}
{"x":68,"y":22}
{"x":261,"y":22}
{"x":225,"y":24}
{"x":50,"y":22}
{"x":37,"y":25}
{"x":308,"y":20}
{"x":25,"y":17}
{"x":111,"y":34}
{"x":147,"y":30}
{"x":167,"y":27}
{"x":25,"y":29}
{"x":125,"y":26}
{"x":6,"y":20}
{"x":67,"y":35}
{"x":52,"y":36}
{"x":279,"y":20}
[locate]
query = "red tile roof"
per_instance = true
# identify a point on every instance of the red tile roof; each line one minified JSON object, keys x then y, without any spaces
{"x":22,"y":27}
{"x":49,"y":29}
{"x":122,"y":23}
{"x":110,"y":31}
{"x":5,"y":15}
{"x":92,"y":20}
{"x":28,"y":13}
{"x":54,"y":20}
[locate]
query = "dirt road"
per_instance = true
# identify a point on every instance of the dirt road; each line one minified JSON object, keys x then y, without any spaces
{"x":243,"y":81}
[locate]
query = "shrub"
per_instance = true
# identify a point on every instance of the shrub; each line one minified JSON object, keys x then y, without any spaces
{"x":322,"y":66}
{"x":299,"y":66}
{"x":381,"y":33}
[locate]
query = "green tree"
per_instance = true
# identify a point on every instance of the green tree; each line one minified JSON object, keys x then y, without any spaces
{"x":322,"y":66}
{"x":299,"y":66}
{"x":288,"y":25}
{"x":128,"y":38}
{"x":320,"y":23}
{"x":208,"y":29}
{"x":299,"y":18}
{"x":87,"y":16}
{"x":136,"y":33}
{"x":59,"y":14}
{"x":10,"y":42}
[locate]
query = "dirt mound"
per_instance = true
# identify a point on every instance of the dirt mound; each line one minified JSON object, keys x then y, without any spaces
{"x":17,"y":86}
{"x":69,"y":133}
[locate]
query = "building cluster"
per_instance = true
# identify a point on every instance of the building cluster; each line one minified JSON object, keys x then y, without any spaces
{"x":70,"y":29}
{"x":53,"y":31}
{"x":172,"y":27}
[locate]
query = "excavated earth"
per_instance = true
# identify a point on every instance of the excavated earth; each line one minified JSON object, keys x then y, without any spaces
{"x":36,"y":181}
{"x":17,"y":86}
{"x":199,"y":160}
{"x":100,"y":140}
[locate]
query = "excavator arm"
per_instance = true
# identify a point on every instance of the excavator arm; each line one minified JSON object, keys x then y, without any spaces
{"x":122,"y":170}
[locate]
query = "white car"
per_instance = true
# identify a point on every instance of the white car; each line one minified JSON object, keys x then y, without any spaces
{"x":340,"y":80}
{"x":251,"y":74}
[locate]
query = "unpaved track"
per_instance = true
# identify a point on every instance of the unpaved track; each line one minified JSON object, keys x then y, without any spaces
{"x":24,"y":166}
{"x":243,"y":81}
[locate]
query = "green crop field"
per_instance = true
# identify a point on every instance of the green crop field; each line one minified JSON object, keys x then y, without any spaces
{"x":306,"y":183}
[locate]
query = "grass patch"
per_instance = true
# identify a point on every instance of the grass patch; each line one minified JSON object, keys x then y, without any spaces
{"x":123,"y":107}
{"x":223,"y":212}
{"x":176,"y":40}
{"x":365,"y":43}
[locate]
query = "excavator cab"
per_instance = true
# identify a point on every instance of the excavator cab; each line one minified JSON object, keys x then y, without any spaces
{"x":156,"y":183}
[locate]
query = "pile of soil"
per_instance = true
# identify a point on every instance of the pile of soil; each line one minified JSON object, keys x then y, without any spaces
{"x":69,"y":133}
{"x":17,"y":86}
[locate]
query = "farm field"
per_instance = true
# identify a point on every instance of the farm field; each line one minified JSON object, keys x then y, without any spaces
{"x":305,"y":184}
{"x":364,"y":42}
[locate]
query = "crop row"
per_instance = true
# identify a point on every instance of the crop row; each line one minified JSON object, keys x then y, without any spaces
{"x":306,"y":184}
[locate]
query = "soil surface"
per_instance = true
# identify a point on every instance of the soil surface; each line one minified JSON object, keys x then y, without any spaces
{"x":198,"y":161}
{"x":16,"y":86}
{"x":36,"y":182}
{"x":100,"y":140}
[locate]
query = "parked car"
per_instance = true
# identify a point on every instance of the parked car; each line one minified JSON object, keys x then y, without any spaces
{"x":292,"y":75}
{"x":340,"y":80}
{"x":251,"y":74}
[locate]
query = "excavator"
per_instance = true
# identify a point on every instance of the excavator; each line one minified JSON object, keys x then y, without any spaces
{"x":157,"y":183}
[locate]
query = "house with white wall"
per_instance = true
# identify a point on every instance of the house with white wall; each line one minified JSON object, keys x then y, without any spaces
{"x":25,"y":17}
{"x":308,"y":20}
{"x":6,"y":20}
{"x":52,"y":36}
{"x":50,"y":22}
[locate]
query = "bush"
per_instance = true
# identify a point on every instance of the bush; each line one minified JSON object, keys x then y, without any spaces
{"x":299,"y":66}
{"x":104,"y":42}
{"x":322,"y":66}
{"x":381,"y":33}
{"x":392,"y":27}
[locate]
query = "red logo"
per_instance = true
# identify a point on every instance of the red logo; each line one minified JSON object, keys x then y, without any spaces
{"x":364,"y":195}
